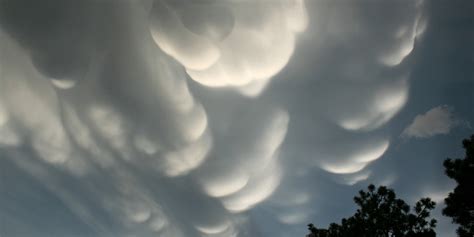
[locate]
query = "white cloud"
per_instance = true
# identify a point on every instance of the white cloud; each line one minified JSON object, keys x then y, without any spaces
{"x":438,"y":120}
{"x":357,"y":161}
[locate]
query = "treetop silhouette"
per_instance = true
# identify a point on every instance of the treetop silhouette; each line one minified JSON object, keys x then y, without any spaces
{"x":460,"y":202}
{"x":382,"y":214}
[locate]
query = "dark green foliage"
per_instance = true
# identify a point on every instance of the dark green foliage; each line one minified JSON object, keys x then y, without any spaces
{"x":382,"y":214}
{"x":460,"y":202}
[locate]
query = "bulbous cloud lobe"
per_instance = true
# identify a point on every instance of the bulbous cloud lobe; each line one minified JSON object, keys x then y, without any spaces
{"x":235,"y":43}
{"x":119,"y":123}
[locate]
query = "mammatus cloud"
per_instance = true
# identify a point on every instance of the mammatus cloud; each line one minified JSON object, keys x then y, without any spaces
{"x":357,"y":161}
{"x":207,"y":39}
{"x":383,"y":106}
{"x":98,"y":102}
{"x":437,"y":121}
{"x":365,"y":92}
{"x":115,"y":131}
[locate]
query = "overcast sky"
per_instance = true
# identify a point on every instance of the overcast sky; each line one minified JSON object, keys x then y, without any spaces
{"x":231,"y":118}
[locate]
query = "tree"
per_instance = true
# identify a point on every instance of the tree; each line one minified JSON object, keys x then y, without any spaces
{"x":382,"y":214}
{"x":460,"y":202}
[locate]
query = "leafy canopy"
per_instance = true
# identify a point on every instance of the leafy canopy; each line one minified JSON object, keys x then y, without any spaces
{"x":460,"y":202}
{"x":382,"y":214}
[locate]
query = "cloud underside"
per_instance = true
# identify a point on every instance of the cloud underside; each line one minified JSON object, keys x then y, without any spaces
{"x":132,"y":119}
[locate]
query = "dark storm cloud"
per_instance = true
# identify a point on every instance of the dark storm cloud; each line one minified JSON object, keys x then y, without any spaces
{"x":62,"y":37}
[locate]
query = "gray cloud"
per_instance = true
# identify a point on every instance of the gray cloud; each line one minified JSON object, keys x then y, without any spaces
{"x":437,"y":121}
{"x":202,"y":118}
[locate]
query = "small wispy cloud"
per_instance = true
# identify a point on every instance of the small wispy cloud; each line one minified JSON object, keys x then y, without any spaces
{"x":438,"y":120}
